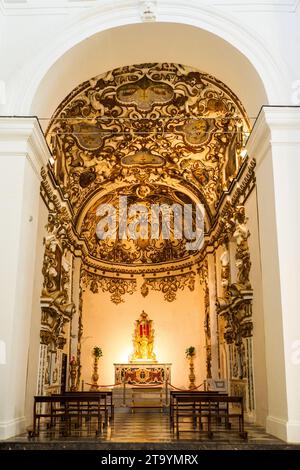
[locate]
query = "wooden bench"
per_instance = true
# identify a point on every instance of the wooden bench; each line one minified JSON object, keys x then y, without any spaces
{"x":198,"y":407}
{"x":64,"y":408}
{"x":106,"y":396}
{"x":188,"y":393}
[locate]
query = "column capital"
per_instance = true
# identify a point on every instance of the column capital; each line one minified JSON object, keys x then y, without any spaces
{"x":23,"y":136}
{"x":274,"y":125}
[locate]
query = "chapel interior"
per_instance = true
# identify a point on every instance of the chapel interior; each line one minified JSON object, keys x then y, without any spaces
{"x":152,"y":295}
{"x":157,"y":133}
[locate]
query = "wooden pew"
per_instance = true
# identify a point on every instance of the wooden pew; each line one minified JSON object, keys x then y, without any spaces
{"x":202,"y":406}
{"x":105,"y":395}
{"x":64,"y":408}
{"x":189,"y":393}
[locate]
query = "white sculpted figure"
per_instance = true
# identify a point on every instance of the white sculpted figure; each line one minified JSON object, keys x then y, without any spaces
{"x":225,"y":269}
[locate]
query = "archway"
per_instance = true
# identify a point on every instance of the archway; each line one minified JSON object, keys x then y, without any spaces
{"x":267,"y":76}
{"x":157,"y":133}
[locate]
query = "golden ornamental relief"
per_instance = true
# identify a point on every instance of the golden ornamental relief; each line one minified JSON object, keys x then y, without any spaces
{"x":143,"y":158}
{"x":116,"y":287}
{"x":145,"y":93}
{"x":155,"y":242}
{"x":169,"y":285}
{"x":159,"y":122}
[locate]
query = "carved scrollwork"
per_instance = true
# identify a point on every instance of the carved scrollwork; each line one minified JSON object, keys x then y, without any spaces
{"x":52,"y":265}
{"x":203,"y":278}
{"x":169,"y":285}
{"x":145,"y":248}
{"x":184,"y":118}
{"x":241,"y":235}
{"x":117,"y":287}
{"x":236,"y":309}
{"x":45,"y":337}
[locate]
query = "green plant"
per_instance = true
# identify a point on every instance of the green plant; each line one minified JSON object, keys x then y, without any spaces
{"x":191,"y":351}
{"x":97,"y":352}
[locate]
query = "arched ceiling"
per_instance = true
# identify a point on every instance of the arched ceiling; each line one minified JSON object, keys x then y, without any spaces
{"x":144,"y":250}
{"x":154,"y":132}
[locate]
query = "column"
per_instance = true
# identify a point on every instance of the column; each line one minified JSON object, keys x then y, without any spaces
{"x":23,"y":152}
{"x":213,"y":316}
{"x":275,"y":143}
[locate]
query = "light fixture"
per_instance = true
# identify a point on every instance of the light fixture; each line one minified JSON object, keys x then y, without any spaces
{"x":51,"y":160}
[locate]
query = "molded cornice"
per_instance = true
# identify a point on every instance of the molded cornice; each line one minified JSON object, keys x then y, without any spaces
{"x":23,"y":136}
{"x":276,"y":125}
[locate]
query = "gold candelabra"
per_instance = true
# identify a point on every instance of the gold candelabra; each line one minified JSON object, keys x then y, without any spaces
{"x":97,"y":353}
{"x":73,"y":374}
{"x":192,"y":376}
{"x":95,"y":375}
{"x":190,"y":354}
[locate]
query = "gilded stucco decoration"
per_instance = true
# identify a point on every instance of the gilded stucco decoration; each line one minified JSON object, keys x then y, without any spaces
{"x":203,"y":277}
{"x":235,"y":306}
{"x":144,"y":249}
{"x":242,"y":257}
{"x":55,"y":293}
{"x":117,"y":287}
{"x":154,"y":122}
{"x":57,"y":310}
{"x":157,"y":134}
{"x":169,"y":285}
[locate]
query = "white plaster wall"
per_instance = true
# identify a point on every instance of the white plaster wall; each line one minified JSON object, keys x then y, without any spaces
{"x":272,"y":303}
{"x":259,"y":355}
{"x":253,"y":47}
{"x":123,"y":46}
{"x":19,"y":201}
{"x":35,"y":326}
{"x":177,"y":324}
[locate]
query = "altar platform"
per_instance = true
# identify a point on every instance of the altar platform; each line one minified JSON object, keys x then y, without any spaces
{"x":143,"y":373}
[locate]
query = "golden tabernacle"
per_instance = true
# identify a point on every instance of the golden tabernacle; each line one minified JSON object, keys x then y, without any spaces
{"x":143,"y":340}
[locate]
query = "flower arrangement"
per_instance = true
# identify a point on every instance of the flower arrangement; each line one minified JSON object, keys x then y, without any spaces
{"x":190,"y":352}
{"x":97,"y":352}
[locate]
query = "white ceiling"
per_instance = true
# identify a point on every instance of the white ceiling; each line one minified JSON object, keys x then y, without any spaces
{"x":150,"y":42}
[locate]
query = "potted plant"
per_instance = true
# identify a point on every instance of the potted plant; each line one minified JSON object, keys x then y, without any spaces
{"x":190,"y":353}
{"x":97,"y":353}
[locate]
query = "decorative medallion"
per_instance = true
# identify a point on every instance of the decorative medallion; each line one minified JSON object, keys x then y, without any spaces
{"x":143,"y":158}
{"x":145,"y":93}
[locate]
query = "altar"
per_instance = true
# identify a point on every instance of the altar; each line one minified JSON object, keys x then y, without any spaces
{"x":143,"y":373}
{"x":143,"y":368}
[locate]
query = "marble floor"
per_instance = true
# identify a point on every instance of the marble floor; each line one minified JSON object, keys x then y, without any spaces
{"x":148,"y":430}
